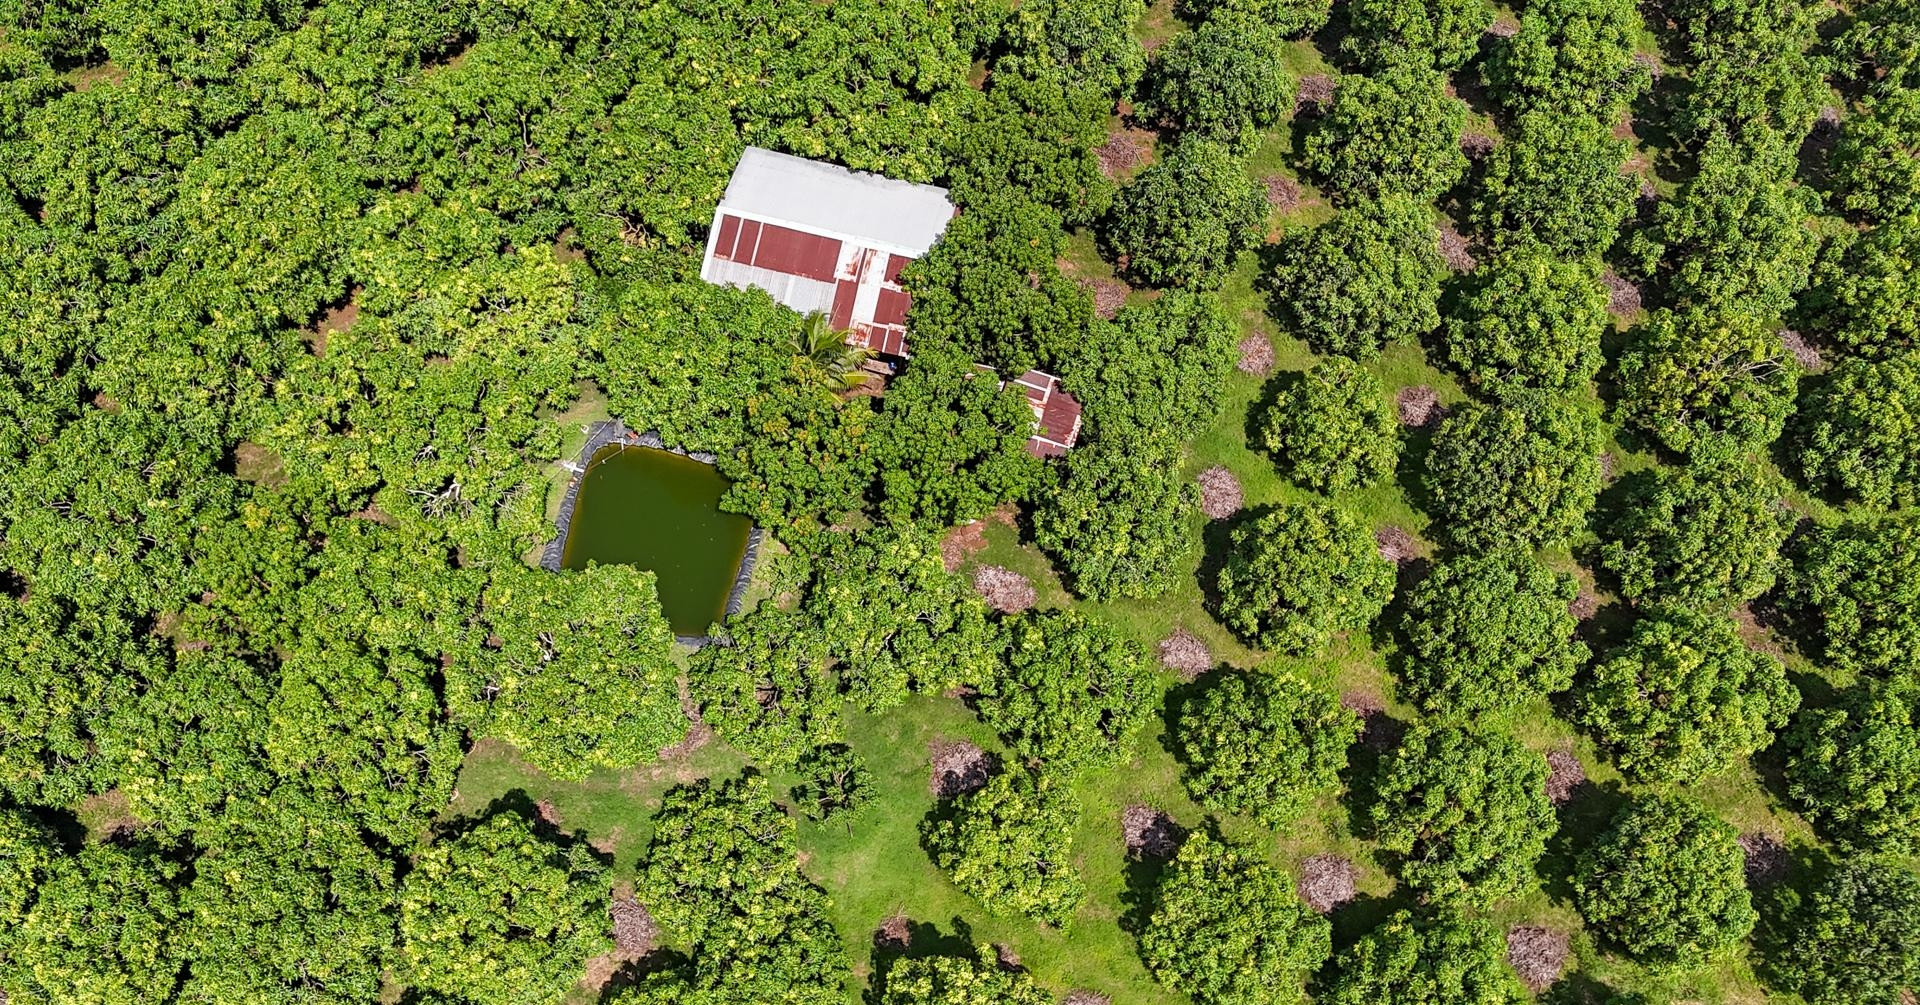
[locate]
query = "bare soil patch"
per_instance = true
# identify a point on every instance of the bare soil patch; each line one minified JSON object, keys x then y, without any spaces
{"x":548,"y":812}
{"x":259,"y":465}
{"x":1455,"y":248}
{"x":1256,"y":355}
{"x":1220,"y":495}
{"x":338,"y":320}
{"x":107,"y":815}
{"x":1004,"y":589}
{"x":1185,"y":654}
{"x":1396,"y":545}
{"x":1327,"y":881}
{"x":1804,"y":351}
{"x":1419,"y":406}
{"x":1766,"y":857}
{"x":1150,"y":833}
{"x":894,"y":935}
{"x":1623,"y":295}
{"x":1125,"y":150}
{"x":1565,"y":776}
{"x":1538,"y":955}
{"x":1283,"y":193}
{"x":1315,"y":93}
{"x":968,"y":538}
{"x":959,"y":767}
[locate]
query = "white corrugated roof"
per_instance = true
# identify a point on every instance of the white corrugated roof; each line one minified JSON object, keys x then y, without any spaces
{"x":827,"y":197}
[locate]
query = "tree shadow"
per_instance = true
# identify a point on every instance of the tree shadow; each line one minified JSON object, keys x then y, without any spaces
{"x":921,"y":940}
{"x":540,"y":818}
{"x":1216,"y":542}
{"x":1581,"y":820}
{"x":1581,"y":988}
{"x":1410,"y":472}
{"x":1778,"y":904}
{"x":633,"y":973}
{"x":1352,"y":920}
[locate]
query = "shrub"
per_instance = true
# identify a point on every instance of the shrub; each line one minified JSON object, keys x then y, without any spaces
{"x":1262,"y":744}
{"x":1685,"y":697}
{"x":1467,"y":813}
{"x":1226,"y":928}
{"x":953,"y":980}
{"x":1368,"y":279}
{"x":1334,"y":429}
{"x":835,"y":780}
{"x":1530,"y":319}
{"x":1522,"y":471}
{"x":1297,"y":574}
{"x":1489,"y":632}
{"x":1666,"y":882}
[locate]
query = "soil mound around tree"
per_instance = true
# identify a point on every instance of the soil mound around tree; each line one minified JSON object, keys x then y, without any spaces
{"x":1004,"y":589}
{"x":1150,"y":833}
{"x":1538,"y":955}
{"x":1565,"y":776}
{"x":1327,"y":881}
{"x":1185,"y":654}
{"x":1220,"y":495}
{"x":959,"y":767}
{"x":1454,"y":246}
{"x":1315,"y":93}
{"x":1283,"y":193}
{"x":1124,"y":150}
{"x":1256,"y":355}
{"x":1804,"y":351}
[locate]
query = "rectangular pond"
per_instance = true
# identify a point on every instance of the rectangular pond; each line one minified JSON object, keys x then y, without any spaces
{"x":660,"y":511}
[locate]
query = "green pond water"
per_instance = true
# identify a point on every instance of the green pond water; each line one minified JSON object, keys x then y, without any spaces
{"x":657,"y":510}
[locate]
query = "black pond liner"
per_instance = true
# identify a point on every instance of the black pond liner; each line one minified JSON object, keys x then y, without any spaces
{"x":615,"y":431}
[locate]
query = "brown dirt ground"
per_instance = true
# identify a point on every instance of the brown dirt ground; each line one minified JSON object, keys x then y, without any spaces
{"x":1565,"y":776}
{"x":1256,"y":355}
{"x":1220,"y":495}
{"x":1184,"y":653}
{"x":1766,"y":857}
{"x":959,"y":767}
{"x":1327,"y":881}
{"x":548,"y":812}
{"x":966,"y":539}
{"x":1419,"y":406}
{"x":1538,"y":955}
{"x":1623,"y":295}
{"x":1150,"y":833}
{"x":1004,"y":589}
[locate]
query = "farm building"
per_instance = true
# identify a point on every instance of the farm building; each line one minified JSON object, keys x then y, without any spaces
{"x":823,"y":239}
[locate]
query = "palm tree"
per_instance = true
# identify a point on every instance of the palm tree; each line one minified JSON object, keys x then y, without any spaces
{"x":822,"y":357}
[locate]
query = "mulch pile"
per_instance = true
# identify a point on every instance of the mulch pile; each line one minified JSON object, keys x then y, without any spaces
{"x":1766,"y":857}
{"x":1086,"y":998}
{"x":1378,"y":730}
{"x":547,"y":812}
{"x":1584,"y":605}
{"x":1109,"y":295}
{"x":1419,"y":406}
{"x":959,"y":767}
{"x":1124,"y":150}
{"x":1184,"y":653}
{"x":1150,"y":833}
{"x":1453,"y":248}
{"x":1538,"y":955}
{"x":1220,"y":495}
{"x":1007,"y":958}
{"x":1283,"y":193}
{"x":635,"y":934}
{"x":1649,"y":62}
{"x":1256,"y":355}
{"x":1396,"y":545}
{"x":1327,"y":881}
{"x":1804,"y":352}
{"x":1565,"y":776}
{"x":1504,"y":26}
{"x":1004,"y":589}
{"x":1623,"y":295}
{"x":893,"y":935}
{"x":1315,"y":93}
{"x":1477,"y":145}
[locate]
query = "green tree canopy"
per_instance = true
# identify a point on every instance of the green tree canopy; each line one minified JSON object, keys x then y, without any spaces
{"x":1859,"y":431}
{"x":766,"y":689}
{"x":104,"y":928}
{"x":1262,"y":743}
{"x":1368,"y":279}
{"x":1297,"y":18}
{"x":1555,"y":181}
{"x":1393,"y":132}
{"x":1333,"y":428}
{"x":1665,"y":882}
{"x":1490,"y":632}
{"x":1684,"y":697}
{"x":1182,"y":221}
{"x":1298,"y":574}
{"x":1871,"y":167}
{"x":954,"y":980}
{"x":1849,"y":941}
{"x":950,"y":442}
{"x":1408,"y":961}
{"x":1222,"y":80}
{"x":1010,"y":845}
{"x":1466,"y":811}
{"x":501,"y":914}
{"x":1226,"y":927}
{"x":1530,"y":319}
{"x":1857,"y":583}
{"x":1572,"y":56}
{"x":1442,"y":34}
{"x":1706,"y":381}
{"x":1706,"y":534}
{"x":1855,"y":766}
{"x":1864,"y":295}
{"x":1522,"y":471}
{"x":1068,"y":691}
{"x":1119,"y":521}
